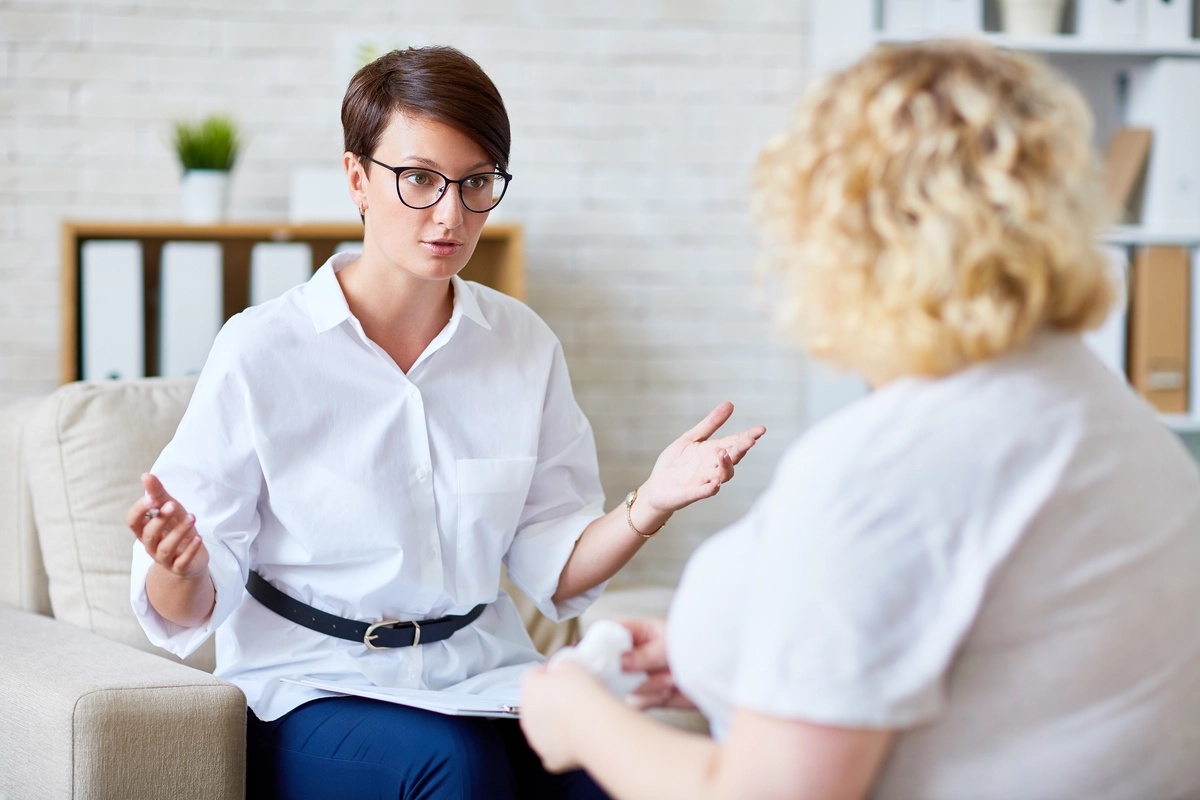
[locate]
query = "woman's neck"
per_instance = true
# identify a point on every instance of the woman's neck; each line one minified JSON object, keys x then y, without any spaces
{"x":399,"y":312}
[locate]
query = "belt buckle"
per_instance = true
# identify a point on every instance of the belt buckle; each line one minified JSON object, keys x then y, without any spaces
{"x":371,"y":636}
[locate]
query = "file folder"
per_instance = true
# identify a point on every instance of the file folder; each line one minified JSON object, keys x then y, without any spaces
{"x":1109,"y":20}
{"x":904,"y":16}
{"x":277,"y":267}
{"x":1159,"y":358}
{"x":1168,"y":21}
{"x":1165,"y":96}
{"x":954,"y":16}
{"x":191,"y":309}
{"x":112,"y":325}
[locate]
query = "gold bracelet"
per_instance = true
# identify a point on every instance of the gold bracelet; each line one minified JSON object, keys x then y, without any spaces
{"x":629,"y":498}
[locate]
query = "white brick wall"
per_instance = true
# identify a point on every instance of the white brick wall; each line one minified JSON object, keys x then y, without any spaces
{"x":635,"y":125}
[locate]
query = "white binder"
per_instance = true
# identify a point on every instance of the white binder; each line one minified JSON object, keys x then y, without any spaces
{"x":1109,"y":20}
{"x":1168,"y":21}
{"x":276,"y":267}
{"x":1108,"y":341}
{"x":112,"y":322}
{"x":192,"y":306}
{"x":904,"y":16}
{"x":954,"y":16}
{"x":320,"y":194}
{"x":1165,"y":96}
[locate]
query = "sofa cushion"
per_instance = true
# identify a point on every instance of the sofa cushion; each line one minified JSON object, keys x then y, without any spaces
{"x":85,"y":448}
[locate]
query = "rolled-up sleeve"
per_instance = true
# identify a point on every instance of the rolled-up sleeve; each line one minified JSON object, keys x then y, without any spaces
{"x":211,"y":467}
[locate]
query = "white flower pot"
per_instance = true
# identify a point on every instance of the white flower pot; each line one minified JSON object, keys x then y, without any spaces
{"x":205,"y":195}
{"x":1032,"y":17}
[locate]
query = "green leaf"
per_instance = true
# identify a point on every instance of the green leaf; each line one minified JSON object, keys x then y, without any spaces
{"x":210,"y":143}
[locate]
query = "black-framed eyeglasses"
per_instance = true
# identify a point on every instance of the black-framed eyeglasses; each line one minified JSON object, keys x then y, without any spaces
{"x":421,"y":187}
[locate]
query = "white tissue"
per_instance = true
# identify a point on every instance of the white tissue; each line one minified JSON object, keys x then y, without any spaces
{"x":600,"y":653}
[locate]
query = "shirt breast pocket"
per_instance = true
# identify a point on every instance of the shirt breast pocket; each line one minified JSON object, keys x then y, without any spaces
{"x":491,"y":495}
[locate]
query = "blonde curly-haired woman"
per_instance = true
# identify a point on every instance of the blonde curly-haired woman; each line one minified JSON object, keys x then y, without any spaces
{"x":980,"y":581}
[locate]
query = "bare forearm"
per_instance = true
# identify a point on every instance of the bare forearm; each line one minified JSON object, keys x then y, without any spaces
{"x":604,"y":547}
{"x":185,"y":601}
{"x":633,"y":756}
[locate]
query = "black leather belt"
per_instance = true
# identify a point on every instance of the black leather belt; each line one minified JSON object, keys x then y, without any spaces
{"x":375,"y":635}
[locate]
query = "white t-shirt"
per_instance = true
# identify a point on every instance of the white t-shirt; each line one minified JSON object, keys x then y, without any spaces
{"x":308,"y":455}
{"x":1003,"y":565}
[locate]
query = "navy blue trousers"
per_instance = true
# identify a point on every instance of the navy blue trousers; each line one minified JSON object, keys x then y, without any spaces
{"x":352,"y":747}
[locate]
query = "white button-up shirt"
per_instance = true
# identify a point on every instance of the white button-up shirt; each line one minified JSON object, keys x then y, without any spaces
{"x":308,"y":455}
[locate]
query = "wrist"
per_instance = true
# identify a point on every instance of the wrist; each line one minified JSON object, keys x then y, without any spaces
{"x":641,"y":516}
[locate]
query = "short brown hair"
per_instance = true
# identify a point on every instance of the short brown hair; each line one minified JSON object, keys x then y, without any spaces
{"x":933,"y":206}
{"x":440,"y":83}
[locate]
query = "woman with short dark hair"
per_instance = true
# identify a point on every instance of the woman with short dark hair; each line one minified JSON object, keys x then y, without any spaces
{"x":365,"y":452}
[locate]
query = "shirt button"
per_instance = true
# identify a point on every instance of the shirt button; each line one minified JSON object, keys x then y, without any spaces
{"x":420,"y":473}
{"x":431,"y":553}
{"x":412,"y":391}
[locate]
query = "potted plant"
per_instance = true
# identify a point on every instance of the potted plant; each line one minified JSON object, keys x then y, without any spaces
{"x":207,"y":150}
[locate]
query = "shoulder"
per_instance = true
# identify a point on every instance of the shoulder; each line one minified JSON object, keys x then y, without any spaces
{"x":261,"y":333}
{"x":509,"y":317}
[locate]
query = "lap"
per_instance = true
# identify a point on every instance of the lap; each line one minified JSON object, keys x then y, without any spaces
{"x":355,"y":747}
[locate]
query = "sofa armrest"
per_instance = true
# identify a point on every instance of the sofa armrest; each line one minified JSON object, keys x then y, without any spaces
{"x":83,"y":716}
{"x":23,"y":580}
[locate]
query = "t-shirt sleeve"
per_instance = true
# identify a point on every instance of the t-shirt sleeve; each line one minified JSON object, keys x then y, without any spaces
{"x":211,"y":467}
{"x":860,"y":596}
{"x":564,"y":497}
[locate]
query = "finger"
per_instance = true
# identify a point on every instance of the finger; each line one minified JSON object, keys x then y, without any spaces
{"x":709,"y":425}
{"x":643,"y":629}
{"x":136,"y":517}
{"x":176,"y":539}
{"x":158,"y":527}
{"x":739,"y":443}
{"x":188,"y":554}
{"x":154,"y":489}
{"x":650,"y":657}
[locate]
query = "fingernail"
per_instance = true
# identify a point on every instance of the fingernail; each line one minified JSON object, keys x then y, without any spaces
{"x":168,"y":507}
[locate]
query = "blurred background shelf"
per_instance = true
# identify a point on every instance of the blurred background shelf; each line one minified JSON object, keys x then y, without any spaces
{"x":122,"y":289}
{"x":1065,"y":44}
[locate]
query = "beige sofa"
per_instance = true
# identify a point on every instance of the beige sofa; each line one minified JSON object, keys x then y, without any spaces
{"x":88,"y":707}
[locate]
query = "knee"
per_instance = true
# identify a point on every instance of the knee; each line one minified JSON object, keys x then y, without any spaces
{"x":457,"y":757}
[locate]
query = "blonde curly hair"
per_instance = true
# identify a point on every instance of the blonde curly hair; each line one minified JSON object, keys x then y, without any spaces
{"x":933,"y":206}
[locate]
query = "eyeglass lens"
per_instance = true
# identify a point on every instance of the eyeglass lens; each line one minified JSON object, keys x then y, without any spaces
{"x":421,"y":188}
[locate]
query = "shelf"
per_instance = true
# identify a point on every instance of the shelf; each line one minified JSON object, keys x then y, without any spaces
{"x":498,"y":261}
{"x":1062,"y":44}
{"x":1129,"y":234}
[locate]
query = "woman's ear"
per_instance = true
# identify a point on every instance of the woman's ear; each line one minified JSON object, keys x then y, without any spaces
{"x":356,"y":180}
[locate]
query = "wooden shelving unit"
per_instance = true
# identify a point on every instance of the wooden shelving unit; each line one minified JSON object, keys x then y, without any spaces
{"x":498,"y":262}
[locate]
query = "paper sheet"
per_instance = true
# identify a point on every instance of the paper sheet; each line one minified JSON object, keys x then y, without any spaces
{"x":496,"y":693}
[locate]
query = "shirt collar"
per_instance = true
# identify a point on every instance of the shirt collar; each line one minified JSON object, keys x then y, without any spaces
{"x":466,"y":301}
{"x":328,"y":308}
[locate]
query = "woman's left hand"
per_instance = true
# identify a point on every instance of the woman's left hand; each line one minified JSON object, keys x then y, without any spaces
{"x":553,"y":698}
{"x":694,"y":466}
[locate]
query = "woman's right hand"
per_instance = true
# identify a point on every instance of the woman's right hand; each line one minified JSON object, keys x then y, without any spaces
{"x":649,"y":655}
{"x":167,"y":531}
